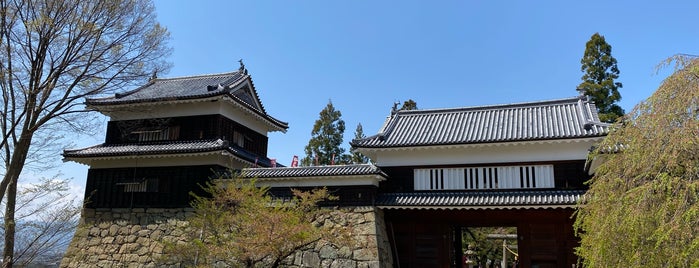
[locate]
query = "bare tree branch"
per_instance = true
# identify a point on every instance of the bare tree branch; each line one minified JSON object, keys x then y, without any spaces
{"x":54,"y":55}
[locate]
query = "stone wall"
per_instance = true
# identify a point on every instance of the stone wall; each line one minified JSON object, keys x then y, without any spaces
{"x":124,"y":237}
{"x":131,"y":238}
{"x":371,"y":248}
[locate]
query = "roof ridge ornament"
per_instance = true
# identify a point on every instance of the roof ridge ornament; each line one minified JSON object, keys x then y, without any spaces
{"x":242,"y":67}
{"x":154,"y":75}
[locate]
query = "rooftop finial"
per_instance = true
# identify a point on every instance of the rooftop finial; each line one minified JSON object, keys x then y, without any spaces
{"x":154,"y":75}
{"x":581,"y":91}
{"x":242,"y":66}
{"x":394,"y":110}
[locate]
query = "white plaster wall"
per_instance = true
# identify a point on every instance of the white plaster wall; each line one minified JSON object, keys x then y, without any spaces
{"x":484,"y":153}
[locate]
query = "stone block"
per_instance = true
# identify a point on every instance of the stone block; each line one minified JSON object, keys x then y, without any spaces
{"x":343,"y":263}
{"x":344,"y":252}
{"x":328,"y":252}
{"x":370,"y":216}
{"x":113,"y":230}
{"x":142,"y":251}
{"x":367,"y":228}
{"x":326,"y":263}
{"x":108,"y":240}
{"x":124,"y":230}
{"x":155,"y":210}
{"x":156,"y":235}
{"x":365,"y":254}
{"x":130,"y":239}
{"x":369,"y":264}
{"x":298,"y":258}
{"x":144,"y":220}
{"x":94,"y":231}
{"x":93,"y":242}
{"x":310,"y":259}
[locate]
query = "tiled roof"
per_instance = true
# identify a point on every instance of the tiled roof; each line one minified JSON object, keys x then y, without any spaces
{"x":481,"y":200}
{"x":190,"y":87}
{"x":159,"y":148}
{"x":193,"y":87}
{"x":313,"y":171}
{"x":543,"y":120}
{"x":252,"y":158}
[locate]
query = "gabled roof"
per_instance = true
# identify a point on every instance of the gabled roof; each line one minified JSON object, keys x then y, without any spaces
{"x":164,"y":148}
{"x":313,"y":171}
{"x":193,"y":88}
{"x":522,"y":199}
{"x":543,"y":120}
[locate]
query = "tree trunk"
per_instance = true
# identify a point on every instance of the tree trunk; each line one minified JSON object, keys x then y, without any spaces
{"x":11,"y":177}
{"x":8,"y":252}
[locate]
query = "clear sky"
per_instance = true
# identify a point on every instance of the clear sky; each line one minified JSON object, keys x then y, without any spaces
{"x":366,"y":55}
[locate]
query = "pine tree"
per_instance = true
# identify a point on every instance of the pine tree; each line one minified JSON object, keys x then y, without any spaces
{"x":409,"y":105}
{"x":357,"y":157}
{"x":598,"y":81}
{"x":326,"y":139}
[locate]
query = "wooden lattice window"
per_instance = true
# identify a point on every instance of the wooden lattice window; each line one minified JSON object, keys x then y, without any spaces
{"x":145,"y":186}
{"x":157,"y":134}
{"x":484,"y":178}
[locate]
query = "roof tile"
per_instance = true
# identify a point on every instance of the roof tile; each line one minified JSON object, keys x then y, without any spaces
{"x":482,"y":199}
{"x":312,"y":171}
{"x":543,"y":120}
{"x":193,"y":87}
{"x":168,"y":147}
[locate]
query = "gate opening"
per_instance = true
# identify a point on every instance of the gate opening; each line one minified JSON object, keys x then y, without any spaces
{"x":486,"y":247}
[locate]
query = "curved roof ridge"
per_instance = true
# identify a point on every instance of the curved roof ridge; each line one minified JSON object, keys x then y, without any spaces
{"x":496,"y":106}
{"x":198,"y":75}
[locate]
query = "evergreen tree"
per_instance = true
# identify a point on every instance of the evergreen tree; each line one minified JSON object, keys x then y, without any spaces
{"x":357,"y":157}
{"x":409,"y":105}
{"x":326,"y":139}
{"x":598,"y":81}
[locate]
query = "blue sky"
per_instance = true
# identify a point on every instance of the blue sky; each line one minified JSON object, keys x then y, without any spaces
{"x":366,"y":55}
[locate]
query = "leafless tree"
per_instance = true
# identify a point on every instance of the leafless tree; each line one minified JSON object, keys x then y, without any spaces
{"x":47,"y":214}
{"x":53,"y":55}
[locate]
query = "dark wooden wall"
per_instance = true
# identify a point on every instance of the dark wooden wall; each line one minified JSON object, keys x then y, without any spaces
{"x":346,"y":195}
{"x":191,"y":128}
{"x":171,"y":187}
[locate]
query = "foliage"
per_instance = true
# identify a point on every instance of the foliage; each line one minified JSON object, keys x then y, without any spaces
{"x":242,"y":225}
{"x":53,"y":54}
{"x":357,"y":157}
{"x":409,"y":105}
{"x":326,"y":139}
{"x":47,"y":215}
{"x":598,"y":81}
{"x":642,"y":208}
{"x":481,"y":248}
